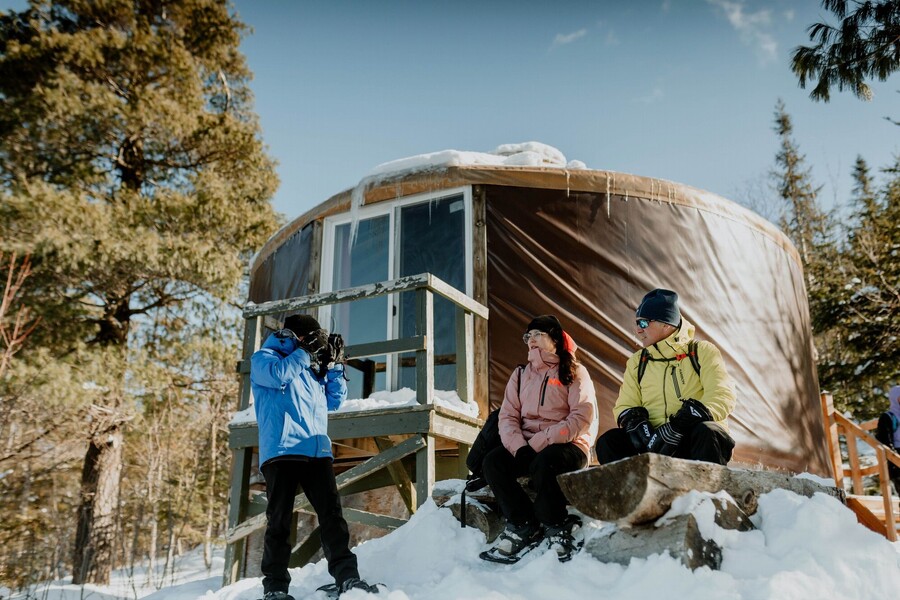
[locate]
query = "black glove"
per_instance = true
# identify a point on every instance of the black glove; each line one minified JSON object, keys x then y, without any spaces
{"x":525,"y":454}
{"x":315,"y":342}
{"x":636,"y":421}
{"x":691,"y":412}
{"x":336,"y":343}
{"x":665,"y":440}
{"x":669,"y":435}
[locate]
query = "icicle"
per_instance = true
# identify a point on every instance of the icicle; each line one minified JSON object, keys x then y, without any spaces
{"x":357,"y":196}
{"x":608,"y":195}
{"x":567,"y":182}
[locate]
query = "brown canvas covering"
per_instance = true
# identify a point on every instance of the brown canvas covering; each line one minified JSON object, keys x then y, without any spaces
{"x":589,"y":260}
{"x":586,"y":245}
{"x":285,"y":271}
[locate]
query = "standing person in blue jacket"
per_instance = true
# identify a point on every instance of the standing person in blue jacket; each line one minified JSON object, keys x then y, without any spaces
{"x":296,"y":378}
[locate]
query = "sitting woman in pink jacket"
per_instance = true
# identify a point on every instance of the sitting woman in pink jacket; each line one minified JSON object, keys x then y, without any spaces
{"x":548,"y":422}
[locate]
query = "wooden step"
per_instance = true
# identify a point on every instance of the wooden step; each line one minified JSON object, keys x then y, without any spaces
{"x":870,"y":511}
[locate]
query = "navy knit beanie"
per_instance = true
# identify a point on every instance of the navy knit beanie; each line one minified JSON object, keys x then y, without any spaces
{"x":302,"y":325}
{"x":660,"y":305}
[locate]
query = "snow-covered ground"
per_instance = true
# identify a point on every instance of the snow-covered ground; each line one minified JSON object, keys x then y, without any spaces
{"x":803,"y":548}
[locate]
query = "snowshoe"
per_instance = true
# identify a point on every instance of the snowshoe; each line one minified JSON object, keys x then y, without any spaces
{"x":333,"y":590}
{"x":514,"y":543}
{"x":562,"y":538}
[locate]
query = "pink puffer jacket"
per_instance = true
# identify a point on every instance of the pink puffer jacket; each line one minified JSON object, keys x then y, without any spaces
{"x":540,"y":410}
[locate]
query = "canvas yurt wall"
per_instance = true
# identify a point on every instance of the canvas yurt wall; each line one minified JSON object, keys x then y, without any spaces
{"x":586,"y":245}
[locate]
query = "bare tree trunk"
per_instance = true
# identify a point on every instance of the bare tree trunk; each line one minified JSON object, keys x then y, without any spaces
{"x":94,"y":537}
{"x":153,"y":482}
{"x":211,"y":494}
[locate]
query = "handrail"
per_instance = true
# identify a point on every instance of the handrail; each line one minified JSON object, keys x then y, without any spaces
{"x":424,"y":284}
{"x":858,"y":432}
{"x":835,"y":424}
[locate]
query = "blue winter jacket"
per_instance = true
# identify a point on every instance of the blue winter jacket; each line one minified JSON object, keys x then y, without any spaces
{"x":291,"y":402}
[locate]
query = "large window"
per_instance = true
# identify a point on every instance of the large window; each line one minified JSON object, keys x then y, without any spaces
{"x":365,"y":261}
{"x":407,"y":237}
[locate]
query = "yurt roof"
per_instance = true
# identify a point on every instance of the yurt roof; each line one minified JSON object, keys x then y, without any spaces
{"x":529,"y":165}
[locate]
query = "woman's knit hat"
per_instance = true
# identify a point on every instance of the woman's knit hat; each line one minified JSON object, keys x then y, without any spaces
{"x":550,"y":325}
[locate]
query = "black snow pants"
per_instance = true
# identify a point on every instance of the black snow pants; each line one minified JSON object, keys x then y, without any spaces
{"x":316,"y":477}
{"x":707,"y":441}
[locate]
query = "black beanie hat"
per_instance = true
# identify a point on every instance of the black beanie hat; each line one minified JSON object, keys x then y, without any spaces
{"x":660,"y":305}
{"x":550,"y":325}
{"x":302,"y":325}
{"x":545,"y":323}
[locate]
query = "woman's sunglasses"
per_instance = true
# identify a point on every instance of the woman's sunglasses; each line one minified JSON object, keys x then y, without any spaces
{"x":532,"y":334}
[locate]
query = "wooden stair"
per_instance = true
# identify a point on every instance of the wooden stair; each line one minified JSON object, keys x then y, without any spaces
{"x":871,"y":512}
{"x":881,"y":514}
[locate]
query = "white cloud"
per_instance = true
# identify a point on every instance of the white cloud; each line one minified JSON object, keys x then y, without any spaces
{"x":562,"y":39}
{"x":655,"y":95}
{"x":752,"y":27}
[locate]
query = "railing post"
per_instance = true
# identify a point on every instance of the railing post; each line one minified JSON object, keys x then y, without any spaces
{"x":853,"y":459}
{"x":425,"y":358}
{"x":238,"y":498}
{"x":890,"y":519}
{"x":425,"y":471}
{"x":464,"y":352}
{"x":831,"y":438}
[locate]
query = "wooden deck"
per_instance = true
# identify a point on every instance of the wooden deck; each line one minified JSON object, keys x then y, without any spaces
{"x":405,"y":447}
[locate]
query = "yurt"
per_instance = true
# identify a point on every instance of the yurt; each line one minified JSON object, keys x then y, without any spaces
{"x":525,"y":232}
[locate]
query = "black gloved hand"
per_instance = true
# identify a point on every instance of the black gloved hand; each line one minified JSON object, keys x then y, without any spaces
{"x":526,"y":454}
{"x":669,"y":435}
{"x":636,"y":421}
{"x":691,"y":412}
{"x":336,"y":342}
{"x":665,"y":440}
{"x":315,"y":342}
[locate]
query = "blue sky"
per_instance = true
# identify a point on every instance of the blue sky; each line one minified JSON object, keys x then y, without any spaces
{"x":677,"y":89}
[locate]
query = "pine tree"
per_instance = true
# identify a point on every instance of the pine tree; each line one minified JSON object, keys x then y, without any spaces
{"x":812,"y":232}
{"x":870,"y":303}
{"x":803,"y":220}
{"x":132,"y":171}
{"x":864,"y":46}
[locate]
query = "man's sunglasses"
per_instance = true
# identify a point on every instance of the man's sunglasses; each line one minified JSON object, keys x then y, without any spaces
{"x":643,"y":323}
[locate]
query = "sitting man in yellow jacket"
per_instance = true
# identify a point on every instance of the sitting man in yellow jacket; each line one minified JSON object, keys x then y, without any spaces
{"x":676,"y":394}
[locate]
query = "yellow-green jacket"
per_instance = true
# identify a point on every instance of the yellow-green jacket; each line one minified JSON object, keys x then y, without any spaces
{"x":661,"y":395}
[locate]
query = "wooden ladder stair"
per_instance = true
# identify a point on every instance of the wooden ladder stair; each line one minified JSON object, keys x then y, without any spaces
{"x":881,"y":514}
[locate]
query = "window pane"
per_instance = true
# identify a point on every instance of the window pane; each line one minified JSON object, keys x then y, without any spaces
{"x":362,"y":321}
{"x":432,"y":239}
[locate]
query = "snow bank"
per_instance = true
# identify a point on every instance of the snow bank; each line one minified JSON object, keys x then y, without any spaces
{"x":804,"y":548}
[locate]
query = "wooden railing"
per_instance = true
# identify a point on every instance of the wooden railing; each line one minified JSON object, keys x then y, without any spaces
{"x":866,"y":508}
{"x":425,"y":286}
